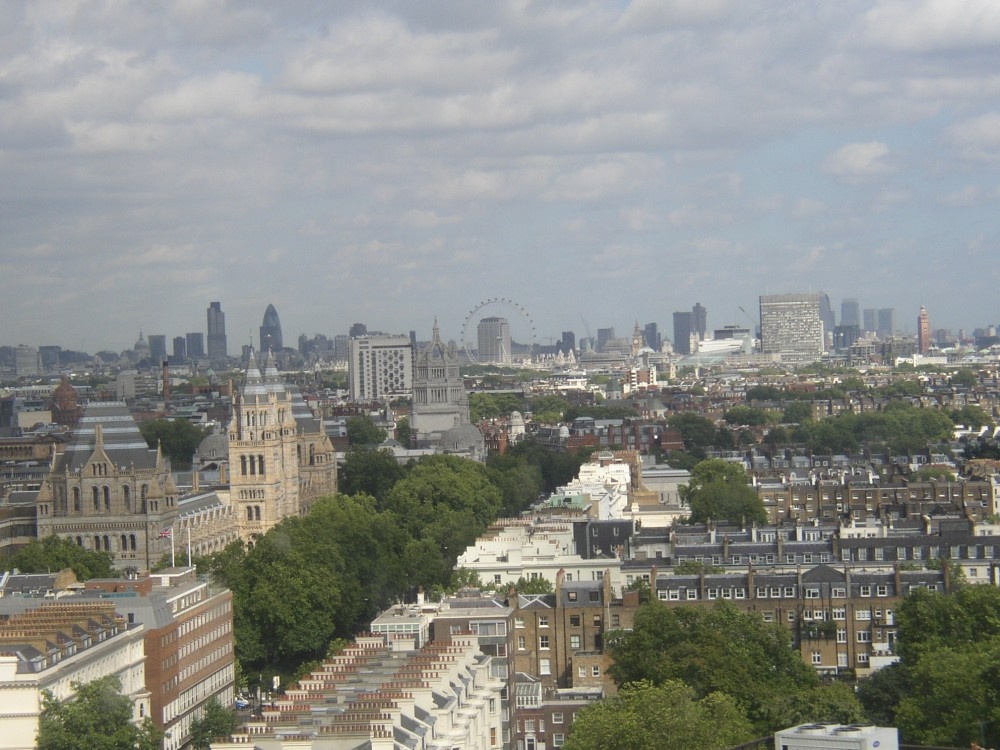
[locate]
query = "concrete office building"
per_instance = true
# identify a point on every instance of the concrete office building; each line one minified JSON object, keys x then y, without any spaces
{"x":217,"y":348}
{"x":493,"y":338}
{"x":380,"y":367}
{"x":195,"y":344}
{"x":790,"y":325}
{"x":850,"y":312}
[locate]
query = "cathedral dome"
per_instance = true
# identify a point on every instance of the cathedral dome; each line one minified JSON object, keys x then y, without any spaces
{"x":463,"y":437}
{"x":213,"y":448}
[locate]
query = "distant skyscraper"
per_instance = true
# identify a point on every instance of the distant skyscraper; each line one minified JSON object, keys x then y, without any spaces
{"x":270,"y":331}
{"x":180,"y":348}
{"x":850,"y":311}
{"x":604,"y":335}
{"x":651,"y":333}
{"x":683,"y":328}
{"x":195,"y":345}
{"x":157,"y":348}
{"x":26,"y":361}
{"x":358,"y":329}
{"x":379,"y":367}
{"x":790,"y":326}
{"x":699,"y":320}
{"x":923,"y":331}
{"x":845,"y":335}
{"x":217,"y":349}
{"x":826,"y":315}
{"x":568,"y":342}
{"x":493,"y":337}
{"x":341,"y":347}
{"x":871,"y":320}
{"x":886,"y":322}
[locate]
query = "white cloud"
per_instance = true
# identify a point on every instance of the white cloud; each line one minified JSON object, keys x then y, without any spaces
{"x":931,"y":25}
{"x":978,"y":138}
{"x":858,"y":161}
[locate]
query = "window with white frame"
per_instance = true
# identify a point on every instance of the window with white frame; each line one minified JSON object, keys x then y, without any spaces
{"x":841,"y":635}
{"x":863,"y":636}
{"x":817,"y":658}
{"x":862,"y":614}
{"x":839,"y":592}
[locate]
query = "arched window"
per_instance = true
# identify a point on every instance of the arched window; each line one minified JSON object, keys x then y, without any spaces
{"x":253,"y":466}
{"x":123,"y":543}
{"x":79,"y":541}
{"x":107,"y":498}
{"x":260,"y":465}
{"x":131,"y":542}
{"x":127,"y":497}
{"x":97,"y":543}
{"x":76,"y":499}
{"x":97,"y":498}
{"x":145,"y":491}
{"x":107,"y":543}
{"x":257,"y":512}
{"x":249,"y":512}
{"x":243,"y":464}
{"x":298,"y":453}
{"x":312,"y":455}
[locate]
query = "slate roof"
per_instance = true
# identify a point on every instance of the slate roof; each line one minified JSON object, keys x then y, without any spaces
{"x":124,"y":444}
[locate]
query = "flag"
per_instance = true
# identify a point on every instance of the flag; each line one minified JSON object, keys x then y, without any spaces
{"x":166,"y":533}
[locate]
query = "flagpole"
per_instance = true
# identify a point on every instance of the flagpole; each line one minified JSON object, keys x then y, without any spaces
{"x":190,"y":564}
{"x":173,"y":563}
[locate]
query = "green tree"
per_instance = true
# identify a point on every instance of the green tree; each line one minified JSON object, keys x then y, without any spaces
{"x":485,"y":405}
{"x":696,"y":431}
{"x":54,"y":553}
{"x":964,"y":377}
{"x":362,"y":430}
{"x":403,"y":431}
{"x":796,"y":412}
{"x":179,"y":439}
{"x":215,"y":722}
{"x":748,"y":415}
{"x":548,"y":409}
{"x":719,"y":490}
{"x":370,"y":471}
{"x":99,"y":717}
{"x":972,"y":416}
{"x":533,"y":585}
{"x":714,"y":650}
{"x":669,"y":716}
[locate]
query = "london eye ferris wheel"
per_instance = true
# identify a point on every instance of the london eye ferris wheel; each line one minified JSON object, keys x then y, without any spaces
{"x":498,"y":331}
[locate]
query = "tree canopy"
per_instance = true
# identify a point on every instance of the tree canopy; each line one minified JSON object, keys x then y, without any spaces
{"x":668,"y":716}
{"x":179,"y":438}
{"x":719,"y":490}
{"x":216,"y":721}
{"x":724,"y":650}
{"x":54,"y":553}
{"x":362,"y":430}
{"x":99,"y":717}
{"x":946,"y":689}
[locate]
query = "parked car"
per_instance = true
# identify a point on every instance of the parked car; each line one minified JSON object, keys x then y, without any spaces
{"x":241,"y":702}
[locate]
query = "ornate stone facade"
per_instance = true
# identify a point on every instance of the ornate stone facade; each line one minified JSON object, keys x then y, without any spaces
{"x":109,"y":492}
{"x":280,"y":460}
{"x":439,"y":398}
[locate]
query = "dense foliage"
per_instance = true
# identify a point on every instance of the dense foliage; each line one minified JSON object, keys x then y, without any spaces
{"x":719,"y":490}
{"x":362,"y":431}
{"x":215,"y":722}
{"x":54,"y":553}
{"x":99,"y":718}
{"x":178,"y":438}
{"x":724,"y":650}
{"x":946,"y":689}
{"x":659,"y":717}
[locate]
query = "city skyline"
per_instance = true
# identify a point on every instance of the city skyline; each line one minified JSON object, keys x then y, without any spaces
{"x":378,"y":162}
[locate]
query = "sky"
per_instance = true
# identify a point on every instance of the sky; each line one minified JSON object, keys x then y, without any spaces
{"x":598,"y":163}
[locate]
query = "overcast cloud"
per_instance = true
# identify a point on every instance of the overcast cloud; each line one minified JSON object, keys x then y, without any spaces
{"x":390,"y":162}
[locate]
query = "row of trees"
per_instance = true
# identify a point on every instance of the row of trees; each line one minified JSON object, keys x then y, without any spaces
{"x":393,"y":528}
{"x":945,"y":690}
{"x":705,"y":678}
